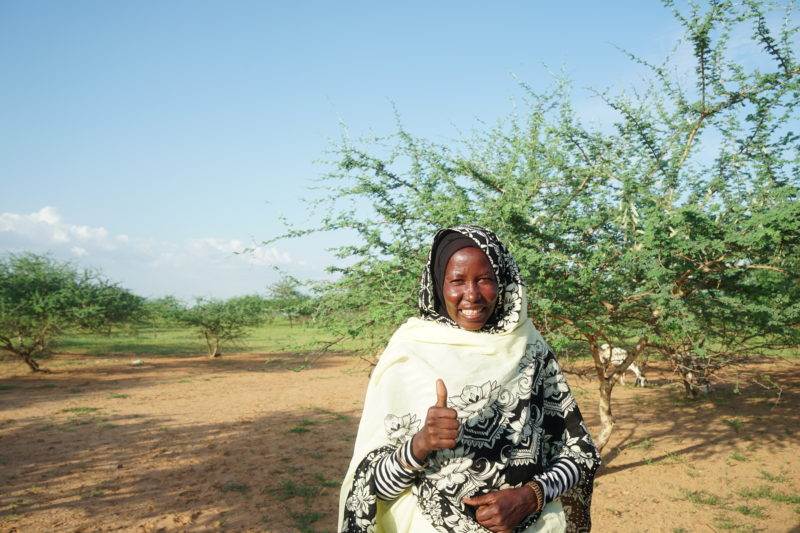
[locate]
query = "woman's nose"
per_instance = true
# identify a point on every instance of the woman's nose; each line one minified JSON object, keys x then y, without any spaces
{"x":471,"y":292}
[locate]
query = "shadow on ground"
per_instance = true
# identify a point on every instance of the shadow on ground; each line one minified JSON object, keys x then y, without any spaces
{"x":85,"y":470}
{"x":733,"y":413}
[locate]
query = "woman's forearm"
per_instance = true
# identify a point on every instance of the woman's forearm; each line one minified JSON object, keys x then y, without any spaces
{"x":560,"y":476}
{"x":395,"y":472}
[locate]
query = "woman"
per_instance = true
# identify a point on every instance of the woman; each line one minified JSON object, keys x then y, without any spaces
{"x":468,"y":423}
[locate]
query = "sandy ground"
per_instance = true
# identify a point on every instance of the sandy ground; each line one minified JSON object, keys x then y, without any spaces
{"x":237,"y":443}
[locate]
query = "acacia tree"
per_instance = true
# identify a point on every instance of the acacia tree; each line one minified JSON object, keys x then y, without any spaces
{"x":164,"y":311}
{"x":41,"y":298}
{"x":224,"y":321}
{"x":672,"y":231}
{"x":287,"y":300}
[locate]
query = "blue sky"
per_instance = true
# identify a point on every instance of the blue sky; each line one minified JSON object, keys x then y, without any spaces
{"x":152,"y":139}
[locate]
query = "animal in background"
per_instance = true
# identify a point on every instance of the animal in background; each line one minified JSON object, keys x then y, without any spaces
{"x":617,"y":356}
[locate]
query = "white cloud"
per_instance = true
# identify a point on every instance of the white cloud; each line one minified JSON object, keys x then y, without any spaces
{"x":199,"y":266}
{"x":46,"y":226}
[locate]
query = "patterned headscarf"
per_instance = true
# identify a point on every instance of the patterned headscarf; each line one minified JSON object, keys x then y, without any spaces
{"x":509,"y":309}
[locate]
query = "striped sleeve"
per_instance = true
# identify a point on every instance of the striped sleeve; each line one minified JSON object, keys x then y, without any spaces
{"x":562,"y":475}
{"x":391,"y":477}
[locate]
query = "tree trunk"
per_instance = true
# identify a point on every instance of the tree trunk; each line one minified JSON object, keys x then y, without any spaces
{"x":34,"y":366}
{"x":213,"y":345}
{"x":606,"y":417}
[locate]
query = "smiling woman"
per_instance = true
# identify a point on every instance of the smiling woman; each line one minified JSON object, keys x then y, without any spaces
{"x":509,"y":450}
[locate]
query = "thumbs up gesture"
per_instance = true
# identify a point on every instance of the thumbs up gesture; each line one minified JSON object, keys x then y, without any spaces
{"x":441,"y":427}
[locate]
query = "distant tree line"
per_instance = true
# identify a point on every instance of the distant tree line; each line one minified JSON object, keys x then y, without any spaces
{"x":41,"y":299}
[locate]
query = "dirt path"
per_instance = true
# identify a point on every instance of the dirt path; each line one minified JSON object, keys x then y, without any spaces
{"x":192,"y":444}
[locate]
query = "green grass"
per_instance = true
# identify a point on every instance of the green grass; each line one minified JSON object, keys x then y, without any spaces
{"x":702,"y":497}
{"x":736,"y":456}
{"x":727,"y":524}
{"x":276,"y":337}
{"x":290,"y":489}
{"x":779,"y":478}
{"x":734,"y":423}
{"x":756,"y":511}
{"x":302,"y":426}
{"x":768,"y":493}
{"x":673,"y":458}
{"x":644,"y":444}
{"x":94,"y":493}
{"x":303,"y":521}
{"x":117,"y":395}
{"x":328,"y":483}
{"x":7,"y":386}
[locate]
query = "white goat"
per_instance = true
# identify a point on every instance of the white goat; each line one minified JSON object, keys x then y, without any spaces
{"x":617,"y":356}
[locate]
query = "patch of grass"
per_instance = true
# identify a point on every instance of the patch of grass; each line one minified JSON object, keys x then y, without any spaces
{"x":644,"y":444}
{"x":734,"y":423}
{"x":768,"y":493}
{"x":756,"y":511}
{"x":736,"y":456}
{"x":7,"y":386}
{"x":81,"y":410}
{"x":290,"y":489}
{"x":303,"y":521}
{"x":702,"y":497}
{"x":327,"y":483}
{"x":780,"y":478}
{"x":302,"y":426}
{"x":725,"y":523}
{"x":673,"y":458}
{"x":48,"y":386}
{"x":234,"y":486}
{"x":679,"y":530}
{"x":117,"y":395}
{"x":94,"y":493}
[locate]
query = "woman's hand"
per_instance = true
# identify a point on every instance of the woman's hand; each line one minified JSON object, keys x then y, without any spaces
{"x":501,"y":511}
{"x":441,"y":427}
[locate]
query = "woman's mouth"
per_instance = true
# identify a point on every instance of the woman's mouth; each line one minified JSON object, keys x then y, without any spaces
{"x":472,"y":313}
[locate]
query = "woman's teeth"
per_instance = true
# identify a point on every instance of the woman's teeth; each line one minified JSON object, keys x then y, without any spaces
{"x":471,"y":313}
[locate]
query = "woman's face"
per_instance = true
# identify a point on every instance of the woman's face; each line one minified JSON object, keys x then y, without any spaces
{"x":470,"y":288}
